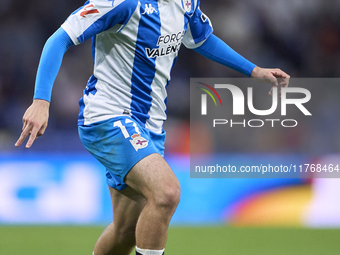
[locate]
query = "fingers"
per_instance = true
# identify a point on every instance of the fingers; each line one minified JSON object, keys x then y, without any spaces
{"x":273,"y":81}
{"x":276,"y":77}
{"x":34,"y":122}
{"x":23,"y":135}
{"x":271,"y":92}
{"x":278,"y":73}
{"x":33,"y":131}
{"x":33,"y":136}
{"x":282,"y":80}
{"x":282,"y":77}
{"x":42,"y":130}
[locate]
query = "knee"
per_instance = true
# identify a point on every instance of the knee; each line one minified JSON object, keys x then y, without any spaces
{"x":168,"y":197}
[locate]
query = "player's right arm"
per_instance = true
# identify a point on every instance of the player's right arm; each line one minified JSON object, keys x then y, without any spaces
{"x":36,"y":116}
{"x":93,"y":18}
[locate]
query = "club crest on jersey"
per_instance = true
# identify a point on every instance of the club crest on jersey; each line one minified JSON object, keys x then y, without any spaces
{"x":138,"y":142}
{"x":187,"y":5}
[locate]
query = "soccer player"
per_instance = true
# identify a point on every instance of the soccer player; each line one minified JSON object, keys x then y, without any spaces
{"x":135,"y":45}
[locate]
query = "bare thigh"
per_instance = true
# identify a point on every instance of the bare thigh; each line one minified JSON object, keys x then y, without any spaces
{"x":150,"y":178}
{"x":153,"y":178}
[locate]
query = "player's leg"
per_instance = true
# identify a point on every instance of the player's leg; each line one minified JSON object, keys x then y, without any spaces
{"x":132,"y":154}
{"x":153,"y":178}
{"x":119,"y":237}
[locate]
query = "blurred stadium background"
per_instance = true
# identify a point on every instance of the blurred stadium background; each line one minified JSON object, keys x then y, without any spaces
{"x":57,"y":182}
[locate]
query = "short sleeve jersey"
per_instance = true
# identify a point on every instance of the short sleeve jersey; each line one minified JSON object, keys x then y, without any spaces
{"x":135,"y":45}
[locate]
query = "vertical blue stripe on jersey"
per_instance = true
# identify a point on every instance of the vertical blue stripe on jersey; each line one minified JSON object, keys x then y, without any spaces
{"x":94,"y":48}
{"x":186,"y":21}
{"x":90,"y":88}
{"x":166,"y":99}
{"x":81,"y":110}
{"x":144,"y":69}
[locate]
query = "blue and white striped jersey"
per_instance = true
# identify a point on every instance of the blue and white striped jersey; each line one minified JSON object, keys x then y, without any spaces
{"x":135,"y":45}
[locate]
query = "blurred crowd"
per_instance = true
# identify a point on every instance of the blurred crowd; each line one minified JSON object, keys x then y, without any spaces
{"x":302,"y":37}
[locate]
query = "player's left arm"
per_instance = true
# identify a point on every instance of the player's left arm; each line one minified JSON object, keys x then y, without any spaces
{"x":217,"y":50}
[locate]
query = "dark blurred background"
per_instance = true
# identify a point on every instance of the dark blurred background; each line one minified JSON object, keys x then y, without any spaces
{"x":302,"y":37}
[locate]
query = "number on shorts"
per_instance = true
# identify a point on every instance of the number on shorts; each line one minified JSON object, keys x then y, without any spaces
{"x":123,"y":128}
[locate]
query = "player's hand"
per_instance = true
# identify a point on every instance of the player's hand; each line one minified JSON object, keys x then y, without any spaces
{"x":276,"y":77}
{"x":34,"y":122}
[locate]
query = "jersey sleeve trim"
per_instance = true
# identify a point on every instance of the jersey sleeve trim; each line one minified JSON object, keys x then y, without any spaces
{"x":199,"y":28}
{"x":71,"y":34}
{"x":193,"y":44}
